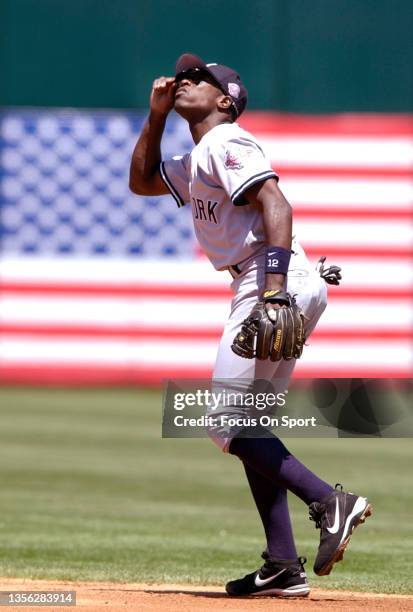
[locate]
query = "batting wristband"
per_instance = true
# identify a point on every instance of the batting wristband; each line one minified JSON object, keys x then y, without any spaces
{"x":277,"y":260}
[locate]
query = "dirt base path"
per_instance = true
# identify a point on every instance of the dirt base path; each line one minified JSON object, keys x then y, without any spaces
{"x":98,"y":596}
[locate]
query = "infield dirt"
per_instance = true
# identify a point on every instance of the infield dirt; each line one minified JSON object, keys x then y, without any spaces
{"x":96,"y":596}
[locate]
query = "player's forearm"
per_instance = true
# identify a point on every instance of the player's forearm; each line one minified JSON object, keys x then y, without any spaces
{"x":277,"y":219}
{"x":146,"y":156}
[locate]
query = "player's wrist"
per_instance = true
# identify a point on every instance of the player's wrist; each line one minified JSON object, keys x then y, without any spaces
{"x":275,"y":282}
{"x":158,"y":115}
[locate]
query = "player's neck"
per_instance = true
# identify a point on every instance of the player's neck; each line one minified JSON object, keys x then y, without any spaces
{"x":198,"y":129}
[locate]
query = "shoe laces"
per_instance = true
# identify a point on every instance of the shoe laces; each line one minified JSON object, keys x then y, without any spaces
{"x":270,"y":561}
{"x":317,"y":510}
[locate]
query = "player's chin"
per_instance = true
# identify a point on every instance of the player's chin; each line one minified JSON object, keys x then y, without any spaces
{"x":182,"y":107}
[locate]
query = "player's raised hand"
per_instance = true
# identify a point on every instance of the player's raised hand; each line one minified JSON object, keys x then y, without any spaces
{"x":163,"y":95}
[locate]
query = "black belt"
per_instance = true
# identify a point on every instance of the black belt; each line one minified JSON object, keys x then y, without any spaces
{"x":234,"y":270}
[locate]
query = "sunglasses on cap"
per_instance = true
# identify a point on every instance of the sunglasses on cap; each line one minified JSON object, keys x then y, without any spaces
{"x":196,"y":75}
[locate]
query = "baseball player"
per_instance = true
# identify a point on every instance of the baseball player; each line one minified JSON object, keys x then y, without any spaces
{"x":244,"y":225}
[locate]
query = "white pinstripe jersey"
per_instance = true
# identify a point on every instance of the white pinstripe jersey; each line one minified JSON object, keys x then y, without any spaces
{"x":213,"y":178}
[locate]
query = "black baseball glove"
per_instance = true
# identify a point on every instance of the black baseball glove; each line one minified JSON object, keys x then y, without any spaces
{"x":279,"y":337}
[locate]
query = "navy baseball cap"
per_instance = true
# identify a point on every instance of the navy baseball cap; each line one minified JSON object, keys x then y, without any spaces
{"x":227,"y":79}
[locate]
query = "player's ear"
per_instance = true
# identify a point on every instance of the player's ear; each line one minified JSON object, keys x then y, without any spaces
{"x":224,"y":102}
{"x":226,"y":105}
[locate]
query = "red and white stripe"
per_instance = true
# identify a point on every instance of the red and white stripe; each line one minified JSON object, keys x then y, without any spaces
{"x":350,"y":181}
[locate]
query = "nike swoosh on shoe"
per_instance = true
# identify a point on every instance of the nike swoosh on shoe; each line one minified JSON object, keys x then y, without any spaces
{"x":259,"y":582}
{"x":336,"y":524}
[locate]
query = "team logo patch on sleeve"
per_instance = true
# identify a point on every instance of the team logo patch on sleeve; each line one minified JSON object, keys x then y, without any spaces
{"x":232,"y":161}
{"x":236,"y":156}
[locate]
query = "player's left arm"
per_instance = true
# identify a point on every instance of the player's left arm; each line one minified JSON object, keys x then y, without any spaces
{"x":277,"y":220}
{"x":275,"y":326}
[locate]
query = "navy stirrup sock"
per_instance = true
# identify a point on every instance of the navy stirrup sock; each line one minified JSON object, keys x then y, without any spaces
{"x":272,"y":505}
{"x":270,"y":458}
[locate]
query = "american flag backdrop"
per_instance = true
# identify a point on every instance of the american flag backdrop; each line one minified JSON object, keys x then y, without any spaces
{"x":101,"y":286}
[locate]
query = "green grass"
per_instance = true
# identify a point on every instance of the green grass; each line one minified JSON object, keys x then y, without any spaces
{"x":90,"y":491}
